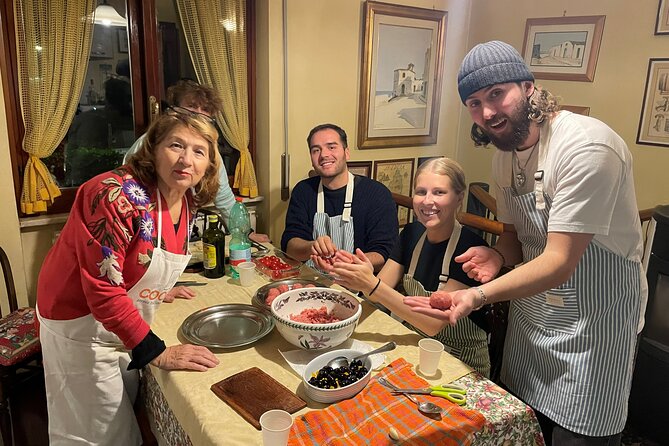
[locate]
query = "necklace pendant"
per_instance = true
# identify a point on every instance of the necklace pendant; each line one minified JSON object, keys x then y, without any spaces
{"x":520,"y":179}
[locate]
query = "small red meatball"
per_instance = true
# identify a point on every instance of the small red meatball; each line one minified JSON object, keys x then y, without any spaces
{"x":309,"y":285}
{"x":282,"y":288}
{"x":272,"y":294}
{"x":297,"y":286}
{"x":440,"y":300}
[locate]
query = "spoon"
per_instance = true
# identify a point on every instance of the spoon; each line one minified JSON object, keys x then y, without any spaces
{"x":425,"y":407}
{"x":342,"y":361}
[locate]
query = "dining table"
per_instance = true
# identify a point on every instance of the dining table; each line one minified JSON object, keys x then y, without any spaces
{"x":183,"y":410}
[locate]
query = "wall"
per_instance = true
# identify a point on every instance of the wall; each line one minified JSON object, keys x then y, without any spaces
{"x":10,"y":238}
{"x":323,"y":69}
{"x":324,"y":59}
{"x":616,"y":94}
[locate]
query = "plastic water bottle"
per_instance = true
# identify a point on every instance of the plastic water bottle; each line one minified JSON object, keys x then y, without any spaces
{"x":239,"y":224}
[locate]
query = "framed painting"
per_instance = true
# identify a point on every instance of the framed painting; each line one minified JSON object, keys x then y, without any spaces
{"x":654,"y":120}
{"x":402,"y":70}
{"x":563,"y":48}
{"x":579,"y":109}
{"x":422,"y":159}
{"x":122,"y":36}
{"x":662,"y":22}
{"x":397,"y":176}
{"x":362,"y":168}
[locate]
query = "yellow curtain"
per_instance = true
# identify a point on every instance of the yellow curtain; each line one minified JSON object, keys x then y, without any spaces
{"x":53,"y":43}
{"x":216,"y":36}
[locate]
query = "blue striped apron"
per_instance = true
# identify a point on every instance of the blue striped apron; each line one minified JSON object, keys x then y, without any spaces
{"x":466,"y":340}
{"x":569,"y":351}
{"x":339,"y":228}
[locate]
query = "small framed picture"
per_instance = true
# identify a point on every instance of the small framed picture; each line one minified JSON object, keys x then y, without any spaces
{"x":654,"y":120}
{"x":422,"y":159}
{"x":579,"y":109}
{"x":662,"y":22}
{"x":563,"y":48}
{"x":362,"y":168}
{"x":397,"y":176}
{"x":122,"y":40}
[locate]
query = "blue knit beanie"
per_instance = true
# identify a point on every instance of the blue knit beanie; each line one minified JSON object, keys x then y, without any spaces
{"x":488,"y":64}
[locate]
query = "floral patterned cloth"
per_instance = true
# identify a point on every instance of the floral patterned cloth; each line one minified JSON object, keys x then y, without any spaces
{"x":103,"y":250}
{"x":18,"y":336}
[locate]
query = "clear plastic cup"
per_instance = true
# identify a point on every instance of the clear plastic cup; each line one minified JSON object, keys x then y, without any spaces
{"x":275,"y":426}
{"x":430,"y":353}
{"x":247,"y":273}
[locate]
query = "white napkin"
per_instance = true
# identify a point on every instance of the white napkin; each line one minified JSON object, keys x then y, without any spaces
{"x":298,"y":359}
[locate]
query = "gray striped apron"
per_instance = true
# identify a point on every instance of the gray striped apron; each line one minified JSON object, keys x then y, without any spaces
{"x":569,"y":351}
{"x":466,"y":340}
{"x":338,"y":228}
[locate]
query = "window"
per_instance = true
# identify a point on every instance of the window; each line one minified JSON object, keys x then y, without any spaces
{"x":126,"y":74}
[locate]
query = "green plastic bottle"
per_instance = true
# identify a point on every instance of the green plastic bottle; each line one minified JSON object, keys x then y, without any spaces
{"x":239,"y":224}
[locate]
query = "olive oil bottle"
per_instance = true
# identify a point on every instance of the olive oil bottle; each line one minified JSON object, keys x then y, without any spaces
{"x":213,"y":249}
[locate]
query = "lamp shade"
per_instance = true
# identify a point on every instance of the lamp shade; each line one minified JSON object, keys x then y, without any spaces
{"x":106,"y":15}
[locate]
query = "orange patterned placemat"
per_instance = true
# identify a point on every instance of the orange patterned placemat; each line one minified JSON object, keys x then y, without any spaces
{"x":368,"y":417}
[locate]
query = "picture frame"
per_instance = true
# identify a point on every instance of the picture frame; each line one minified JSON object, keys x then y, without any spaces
{"x":578,"y":109}
{"x":401,"y":76}
{"x":362,"y":168}
{"x":101,"y":47}
{"x":122,"y":36}
{"x":563,"y":48}
{"x":662,"y":22}
{"x":654,"y":119}
{"x":422,"y":159}
{"x":397,"y":176}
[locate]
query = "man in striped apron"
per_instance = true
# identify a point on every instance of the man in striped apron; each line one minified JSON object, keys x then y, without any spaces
{"x":337,"y":210}
{"x":565,"y":193}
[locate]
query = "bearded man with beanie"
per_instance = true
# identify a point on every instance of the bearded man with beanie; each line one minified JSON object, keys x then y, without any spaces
{"x":565,"y":193}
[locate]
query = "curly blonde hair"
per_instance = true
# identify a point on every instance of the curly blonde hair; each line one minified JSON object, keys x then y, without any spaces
{"x":541,"y":104}
{"x":143,"y":161}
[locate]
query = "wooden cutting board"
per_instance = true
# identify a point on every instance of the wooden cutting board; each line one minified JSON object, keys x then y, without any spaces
{"x":253,"y":392}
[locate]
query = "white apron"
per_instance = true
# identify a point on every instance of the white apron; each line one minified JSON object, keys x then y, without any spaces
{"x":569,"y":351}
{"x":338,"y":228}
{"x":90,"y":392}
{"x":466,"y":340}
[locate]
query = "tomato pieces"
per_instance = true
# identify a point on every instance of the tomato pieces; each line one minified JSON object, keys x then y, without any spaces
{"x":274,"y":263}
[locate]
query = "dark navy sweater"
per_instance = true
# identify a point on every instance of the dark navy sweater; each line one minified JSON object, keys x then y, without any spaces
{"x":373,"y":210}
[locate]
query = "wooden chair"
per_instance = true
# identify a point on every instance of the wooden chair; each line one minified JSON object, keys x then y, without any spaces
{"x":20,"y":351}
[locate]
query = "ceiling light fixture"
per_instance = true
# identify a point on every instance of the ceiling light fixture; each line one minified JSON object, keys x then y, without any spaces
{"x":108,"y":16}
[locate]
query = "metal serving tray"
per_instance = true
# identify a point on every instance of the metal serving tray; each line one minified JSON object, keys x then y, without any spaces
{"x":259,"y":297}
{"x":227,"y":325}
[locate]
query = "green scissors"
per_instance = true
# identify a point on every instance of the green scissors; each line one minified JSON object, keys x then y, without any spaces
{"x":452,"y":392}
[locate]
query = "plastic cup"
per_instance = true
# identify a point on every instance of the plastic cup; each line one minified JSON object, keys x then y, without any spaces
{"x":247,"y":272}
{"x":430,"y":352}
{"x":275,"y":426}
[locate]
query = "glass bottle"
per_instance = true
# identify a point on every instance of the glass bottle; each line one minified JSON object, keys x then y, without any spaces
{"x":213,"y":249}
{"x":239,"y":224}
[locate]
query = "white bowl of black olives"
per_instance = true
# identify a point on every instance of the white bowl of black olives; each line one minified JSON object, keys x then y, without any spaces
{"x":327,"y":385}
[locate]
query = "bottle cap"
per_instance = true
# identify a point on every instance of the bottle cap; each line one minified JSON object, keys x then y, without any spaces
{"x":212,"y":218}
{"x":240,"y":199}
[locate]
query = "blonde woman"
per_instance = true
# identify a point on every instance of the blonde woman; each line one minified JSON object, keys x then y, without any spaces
{"x":423,"y":262}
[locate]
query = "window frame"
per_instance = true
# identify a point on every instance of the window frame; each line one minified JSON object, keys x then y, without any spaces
{"x":146,"y":81}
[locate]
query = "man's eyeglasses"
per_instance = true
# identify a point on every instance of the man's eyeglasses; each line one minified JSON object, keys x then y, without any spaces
{"x":187,"y":112}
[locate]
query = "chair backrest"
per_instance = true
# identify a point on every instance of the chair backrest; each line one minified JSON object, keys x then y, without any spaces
{"x":465,"y":218}
{"x":9,"y":280}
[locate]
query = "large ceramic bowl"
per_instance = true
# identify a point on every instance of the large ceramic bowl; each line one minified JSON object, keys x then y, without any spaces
{"x":317,"y":336}
{"x":341,"y":393}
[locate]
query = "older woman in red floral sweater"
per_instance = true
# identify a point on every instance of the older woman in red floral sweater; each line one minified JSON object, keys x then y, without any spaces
{"x":117,"y":258}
